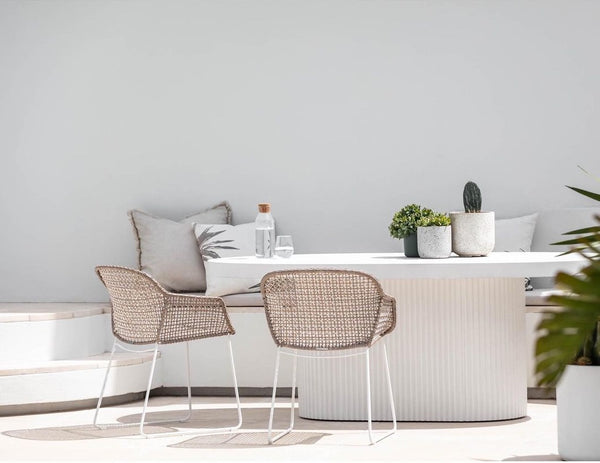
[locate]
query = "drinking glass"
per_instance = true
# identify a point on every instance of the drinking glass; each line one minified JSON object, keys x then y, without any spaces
{"x":284,"y":246}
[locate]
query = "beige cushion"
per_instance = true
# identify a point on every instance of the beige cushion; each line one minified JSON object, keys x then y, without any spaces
{"x":227,"y":241}
{"x":240,"y":300}
{"x":540,"y":296}
{"x":167,"y":250}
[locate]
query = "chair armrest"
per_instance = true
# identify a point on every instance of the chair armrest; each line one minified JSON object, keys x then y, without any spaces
{"x":188,"y":317}
{"x":386,"y":321}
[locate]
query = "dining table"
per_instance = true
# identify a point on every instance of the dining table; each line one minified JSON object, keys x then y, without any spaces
{"x":458,"y":351}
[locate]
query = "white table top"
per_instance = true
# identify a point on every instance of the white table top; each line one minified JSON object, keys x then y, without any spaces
{"x":397,"y":266}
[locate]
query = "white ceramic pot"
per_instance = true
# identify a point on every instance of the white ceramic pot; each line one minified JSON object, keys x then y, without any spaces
{"x":578,"y":406}
{"x":473,"y":233}
{"x":434,"y":242}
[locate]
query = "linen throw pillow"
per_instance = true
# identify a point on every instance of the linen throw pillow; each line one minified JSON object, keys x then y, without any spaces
{"x":167,"y":249}
{"x":226,"y":241}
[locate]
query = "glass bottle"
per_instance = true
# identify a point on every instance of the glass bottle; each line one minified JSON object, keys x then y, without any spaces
{"x":265,"y":231}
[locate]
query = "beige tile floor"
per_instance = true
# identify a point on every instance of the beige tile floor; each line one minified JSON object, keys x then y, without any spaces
{"x":68,"y":436}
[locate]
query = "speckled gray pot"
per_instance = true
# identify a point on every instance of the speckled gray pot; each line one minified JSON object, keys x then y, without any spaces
{"x":434,"y":242}
{"x":473,"y":233}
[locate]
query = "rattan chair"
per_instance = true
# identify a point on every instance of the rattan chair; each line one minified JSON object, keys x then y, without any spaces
{"x":327,"y":310}
{"x":144,"y":313}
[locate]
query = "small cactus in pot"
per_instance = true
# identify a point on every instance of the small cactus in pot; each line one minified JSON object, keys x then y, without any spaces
{"x":473,"y":231}
{"x":472,"y":198}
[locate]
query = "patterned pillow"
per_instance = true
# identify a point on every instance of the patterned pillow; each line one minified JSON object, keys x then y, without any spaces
{"x":167,"y":249}
{"x":216,"y":241}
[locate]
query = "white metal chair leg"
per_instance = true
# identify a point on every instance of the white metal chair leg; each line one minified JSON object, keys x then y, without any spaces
{"x":148,"y":390}
{"x":390,"y":391}
{"x":189,"y":383}
{"x":368,"y":370}
{"x":273,"y":396}
{"x":201,"y":432}
{"x":112,"y":353}
{"x":293,"y":400}
{"x":143,"y":423}
{"x":235,"y":386}
{"x":391,"y":397}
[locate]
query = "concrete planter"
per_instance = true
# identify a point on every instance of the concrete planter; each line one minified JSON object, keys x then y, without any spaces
{"x":578,"y":406}
{"x":473,"y":233}
{"x":434,"y":242}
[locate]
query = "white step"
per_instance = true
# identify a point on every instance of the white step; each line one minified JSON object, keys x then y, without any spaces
{"x":61,"y":381}
{"x":53,"y":356}
{"x":39,"y":332}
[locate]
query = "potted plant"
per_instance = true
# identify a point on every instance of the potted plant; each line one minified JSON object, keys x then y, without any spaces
{"x":434,"y":237}
{"x":568,"y":348}
{"x":404,"y":226}
{"x":473,"y":231}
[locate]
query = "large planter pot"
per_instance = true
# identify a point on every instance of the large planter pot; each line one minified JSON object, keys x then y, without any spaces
{"x":578,"y":405}
{"x":473,"y":233}
{"x":434,"y":242}
{"x":410,"y":246}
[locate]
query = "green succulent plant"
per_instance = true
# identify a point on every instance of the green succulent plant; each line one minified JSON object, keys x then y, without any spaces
{"x":435,"y":220}
{"x":472,"y":197}
{"x":571,"y":334}
{"x":404,"y":222}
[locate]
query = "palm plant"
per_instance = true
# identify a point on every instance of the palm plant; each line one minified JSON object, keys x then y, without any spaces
{"x":571,"y":334}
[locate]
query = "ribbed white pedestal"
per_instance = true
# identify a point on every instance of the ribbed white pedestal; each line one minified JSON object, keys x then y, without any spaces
{"x":456,"y":355}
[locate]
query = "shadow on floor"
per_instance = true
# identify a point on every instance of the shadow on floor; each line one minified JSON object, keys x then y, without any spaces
{"x":252,"y":434}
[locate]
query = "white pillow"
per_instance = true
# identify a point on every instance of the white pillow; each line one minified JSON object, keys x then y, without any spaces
{"x":226,"y":241}
{"x":515,"y":234}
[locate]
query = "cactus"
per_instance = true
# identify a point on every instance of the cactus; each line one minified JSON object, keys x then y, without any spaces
{"x":472,"y":197}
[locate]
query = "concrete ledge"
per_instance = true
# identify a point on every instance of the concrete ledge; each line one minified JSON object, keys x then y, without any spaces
{"x":89,"y":363}
{"x":222,"y":391}
{"x":71,"y":405}
{"x":42,"y":311}
{"x":30,"y":409}
{"x":542,"y":393}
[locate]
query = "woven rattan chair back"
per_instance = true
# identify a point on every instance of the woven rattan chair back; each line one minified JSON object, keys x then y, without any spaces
{"x":325,"y":309}
{"x":137,"y":303}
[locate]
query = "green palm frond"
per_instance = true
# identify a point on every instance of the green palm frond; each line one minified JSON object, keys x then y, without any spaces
{"x":582,"y":231}
{"x":570,"y":335}
{"x":589,"y":194}
{"x":564,"y":332}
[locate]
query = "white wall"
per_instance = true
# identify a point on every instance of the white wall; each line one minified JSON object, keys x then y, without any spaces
{"x":337,"y":112}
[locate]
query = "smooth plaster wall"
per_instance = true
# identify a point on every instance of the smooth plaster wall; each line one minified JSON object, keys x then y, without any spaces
{"x":337,"y":112}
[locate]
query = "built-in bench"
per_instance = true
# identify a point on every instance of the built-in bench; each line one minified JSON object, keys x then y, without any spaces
{"x":53,"y":355}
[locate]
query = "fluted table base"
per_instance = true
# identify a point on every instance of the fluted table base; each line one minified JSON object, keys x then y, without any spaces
{"x":457,"y":354}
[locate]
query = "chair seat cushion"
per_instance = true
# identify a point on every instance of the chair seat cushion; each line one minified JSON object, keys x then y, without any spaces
{"x":239,"y":300}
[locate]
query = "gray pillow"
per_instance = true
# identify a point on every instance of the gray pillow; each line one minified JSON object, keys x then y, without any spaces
{"x":168,"y":250}
{"x":515,"y":234}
